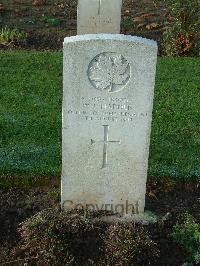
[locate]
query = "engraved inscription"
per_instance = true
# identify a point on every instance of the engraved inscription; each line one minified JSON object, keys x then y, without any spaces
{"x":109,"y":72}
{"x":105,"y":142}
{"x":109,"y":109}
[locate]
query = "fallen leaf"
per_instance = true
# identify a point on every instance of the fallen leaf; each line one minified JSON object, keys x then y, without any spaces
{"x":152,"y":195}
{"x":38,"y":2}
{"x":2,"y":8}
{"x":141,"y":25}
{"x":152,"y":26}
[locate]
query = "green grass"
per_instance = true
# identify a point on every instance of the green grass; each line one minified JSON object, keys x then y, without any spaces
{"x":175,"y":142}
{"x":30,"y":116}
{"x":30,"y":113}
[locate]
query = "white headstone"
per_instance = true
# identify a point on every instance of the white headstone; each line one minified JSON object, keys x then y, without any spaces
{"x":107,"y":111}
{"x":99,"y":16}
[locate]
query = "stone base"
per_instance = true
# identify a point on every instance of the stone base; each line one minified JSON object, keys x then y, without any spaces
{"x":143,"y":218}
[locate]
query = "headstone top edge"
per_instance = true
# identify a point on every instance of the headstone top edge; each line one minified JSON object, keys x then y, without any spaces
{"x":114,"y":37}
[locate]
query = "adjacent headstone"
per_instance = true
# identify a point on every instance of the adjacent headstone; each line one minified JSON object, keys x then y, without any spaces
{"x":98,"y":16}
{"x":107,"y":111}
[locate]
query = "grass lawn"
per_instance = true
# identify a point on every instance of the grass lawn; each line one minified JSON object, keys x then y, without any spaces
{"x":30,"y":116}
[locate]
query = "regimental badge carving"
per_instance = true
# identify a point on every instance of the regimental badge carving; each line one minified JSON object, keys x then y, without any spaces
{"x":109,"y":72}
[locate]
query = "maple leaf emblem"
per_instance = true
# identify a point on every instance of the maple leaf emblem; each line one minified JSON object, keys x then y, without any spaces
{"x":109,"y":71}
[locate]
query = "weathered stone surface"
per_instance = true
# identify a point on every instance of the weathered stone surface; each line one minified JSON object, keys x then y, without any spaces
{"x":107,"y":111}
{"x":99,"y":16}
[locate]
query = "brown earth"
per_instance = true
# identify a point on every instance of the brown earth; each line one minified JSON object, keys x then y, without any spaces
{"x":47,"y":22}
{"x":164,"y":199}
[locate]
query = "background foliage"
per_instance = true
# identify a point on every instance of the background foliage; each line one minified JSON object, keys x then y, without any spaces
{"x":182,"y":36}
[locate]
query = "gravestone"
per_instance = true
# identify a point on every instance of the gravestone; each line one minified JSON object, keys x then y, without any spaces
{"x":99,"y":16}
{"x":107,"y":111}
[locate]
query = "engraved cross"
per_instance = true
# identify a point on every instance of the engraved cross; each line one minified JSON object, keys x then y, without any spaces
{"x":105,"y":142}
{"x":99,"y":8}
